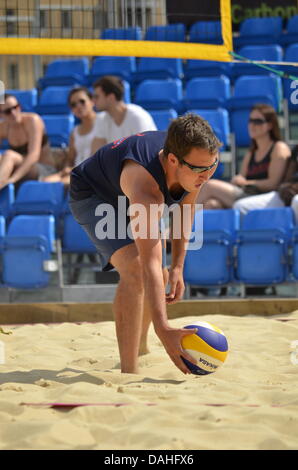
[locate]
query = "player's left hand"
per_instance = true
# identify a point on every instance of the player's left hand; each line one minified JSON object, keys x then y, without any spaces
{"x":177,"y":287}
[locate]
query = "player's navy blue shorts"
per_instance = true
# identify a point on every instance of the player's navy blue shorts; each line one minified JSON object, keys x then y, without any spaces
{"x":84,"y":213}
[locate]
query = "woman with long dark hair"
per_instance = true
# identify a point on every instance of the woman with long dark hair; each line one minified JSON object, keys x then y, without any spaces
{"x":262,"y":169}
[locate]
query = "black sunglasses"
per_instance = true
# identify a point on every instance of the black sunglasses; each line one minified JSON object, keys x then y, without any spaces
{"x":257,"y":122}
{"x":7,"y":111}
{"x":199,"y":169}
{"x":74,"y":104}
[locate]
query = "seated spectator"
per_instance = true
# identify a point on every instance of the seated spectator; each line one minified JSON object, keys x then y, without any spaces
{"x":263,"y":167}
{"x":118,"y":119}
{"x":286,"y":194}
{"x":83,"y":135}
{"x":29,"y":155}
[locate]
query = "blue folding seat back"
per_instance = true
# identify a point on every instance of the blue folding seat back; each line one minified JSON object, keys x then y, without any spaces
{"x":122,"y":67}
{"x":212,"y":264}
{"x":252,"y":89}
{"x":171,"y":32}
{"x":7,"y":198}
{"x":205,"y":68}
{"x":259,"y":31}
{"x":75,"y":239}
{"x":219,"y":121}
{"x":269,"y":52}
{"x":32,"y":225}
{"x":207,"y":92}
{"x":58,"y":129}
{"x":157,"y":68}
{"x":133,"y":33}
{"x":206,"y":32}
{"x":262,"y":246}
{"x":163,"y":118}
{"x":65,"y":73}
{"x":29,"y":243}
{"x":269,"y":219}
{"x":159,"y":94}
{"x":38,"y":197}
{"x":290,"y":36}
{"x":54,"y":100}
{"x":26,"y":98}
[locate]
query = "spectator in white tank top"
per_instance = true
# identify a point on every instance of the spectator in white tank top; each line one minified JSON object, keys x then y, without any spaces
{"x":83,"y":135}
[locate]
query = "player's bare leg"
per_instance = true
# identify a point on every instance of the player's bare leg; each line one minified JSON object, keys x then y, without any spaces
{"x":128,"y":306}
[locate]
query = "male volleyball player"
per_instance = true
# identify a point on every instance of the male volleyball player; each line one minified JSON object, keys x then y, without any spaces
{"x":147,"y":170}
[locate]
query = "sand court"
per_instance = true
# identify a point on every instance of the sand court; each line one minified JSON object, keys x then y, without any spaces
{"x":250,"y":403}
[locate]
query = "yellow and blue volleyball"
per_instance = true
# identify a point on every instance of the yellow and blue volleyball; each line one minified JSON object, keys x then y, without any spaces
{"x":209,"y":347}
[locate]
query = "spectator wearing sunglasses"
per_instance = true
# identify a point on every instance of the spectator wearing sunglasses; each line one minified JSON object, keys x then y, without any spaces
{"x":286,"y":194}
{"x":146,"y":170}
{"x":117,"y":119}
{"x":29,"y":154}
{"x":82,"y":137}
{"x":263,"y":167}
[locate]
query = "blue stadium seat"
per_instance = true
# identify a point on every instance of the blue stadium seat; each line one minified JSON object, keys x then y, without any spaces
{"x":28,"y":244}
{"x":159,"y":94}
{"x":7,"y":198}
{"x":171,"y":32}
{"x":163,"y":117}
{"x":122,"y":67}
{"x":270,"y":52}
{"x":206,"y":68}
{"x":219,"y":121}
{"x":208,"y":32}
{"x":262,"y":246}
{"x":259,"y":31}
{"x":157,"y":68}
{"x":74,"y":238}
{"x":212,"y":264}
{"x":58,"y":129}
{"x":65,"y":72}
{"x":207,"y":92}
{"x":252,"y":89}
{"x":38,"y":197}
{"x":54,"y":100}
{"x":290,"y":36}
{"x":248,"y":91}
{"x":26,"y":98}
{"x":133,"y":33}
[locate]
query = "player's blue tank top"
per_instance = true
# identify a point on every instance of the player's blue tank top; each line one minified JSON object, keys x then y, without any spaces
{"x":100,"y":174}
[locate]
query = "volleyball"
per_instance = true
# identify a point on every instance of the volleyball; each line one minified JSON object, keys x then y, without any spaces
{"x":209,"y":346}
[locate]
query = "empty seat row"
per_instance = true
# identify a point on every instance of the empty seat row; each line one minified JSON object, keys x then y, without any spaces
{"x":252,"y":31}
{"x":200,"y":31}
{"x":262,"y":249}
{"x":267,"y":31}
{"x":133,"y":70}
